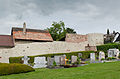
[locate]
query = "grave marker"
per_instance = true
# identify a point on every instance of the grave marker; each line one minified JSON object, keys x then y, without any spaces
{"x":62,"y":61}
{"x":101,"y":55}
{"x":57,"y":60}
{"x":113,"y":53}
{"x":25,"y":60}
{"x":92,"y":57}
{"x":50,"y":61}
{"x":73,"y":59}
{"x":79,"y":54}
{"x":40,"y":62}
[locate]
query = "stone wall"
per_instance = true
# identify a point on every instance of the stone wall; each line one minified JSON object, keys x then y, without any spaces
{"x":75,"y":38}
{"x":38,"y":48}
{"x":90,"y":48}
{"x":93,"y":39}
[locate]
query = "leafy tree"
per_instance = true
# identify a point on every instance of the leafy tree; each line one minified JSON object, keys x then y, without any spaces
{"x":58,"y":31}
{"x":70,"y":30}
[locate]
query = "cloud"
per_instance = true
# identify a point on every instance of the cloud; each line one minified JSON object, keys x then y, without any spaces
{"x":84,"y":16}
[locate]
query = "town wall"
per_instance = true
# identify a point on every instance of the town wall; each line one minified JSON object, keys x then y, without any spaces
{"x":75,"y":38}
{"x":93,"y":39}
{"x":38,"y":48}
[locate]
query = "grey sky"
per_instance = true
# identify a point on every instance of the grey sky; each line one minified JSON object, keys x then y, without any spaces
{"x":85,"y":16}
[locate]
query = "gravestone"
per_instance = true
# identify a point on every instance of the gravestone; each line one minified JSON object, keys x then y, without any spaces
{"x":50,"y":61}
{"x":57,"y":60}
{"x":101,"y":55}
{"x":113,"y":53}
{"x":92,"y":57}
{"x":79,"y":54}
{"x":73,"y":59}
{"x":62,"y":60}
{"x":40,"y":62}
{"x":25,"y":60}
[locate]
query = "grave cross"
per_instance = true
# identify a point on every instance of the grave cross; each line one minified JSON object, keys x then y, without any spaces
{"x":65,"y":60}
{"x":25,"y":59}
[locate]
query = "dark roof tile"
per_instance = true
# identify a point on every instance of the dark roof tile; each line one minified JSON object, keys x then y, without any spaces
{"x":6,"y":41}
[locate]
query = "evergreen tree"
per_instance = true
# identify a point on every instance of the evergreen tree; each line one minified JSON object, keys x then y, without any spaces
{"x":108,"y":31}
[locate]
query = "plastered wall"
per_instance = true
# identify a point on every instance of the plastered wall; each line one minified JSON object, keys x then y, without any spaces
{"x":93,"y":39}
{"x":38,"y":48}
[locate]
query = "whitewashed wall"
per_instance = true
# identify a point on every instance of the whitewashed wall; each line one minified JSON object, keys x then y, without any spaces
{"x":95,"y":39}
{"x":38,"y":48}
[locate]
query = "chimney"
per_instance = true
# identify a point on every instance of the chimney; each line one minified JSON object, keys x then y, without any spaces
{"x":24,"y":28}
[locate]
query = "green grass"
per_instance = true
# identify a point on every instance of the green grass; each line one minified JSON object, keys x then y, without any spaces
{"x":91,"y":71}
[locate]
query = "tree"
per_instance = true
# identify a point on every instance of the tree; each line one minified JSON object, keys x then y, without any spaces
{"x":108,"y":32}
{"x":58,"y":31}
{"x":114,"y":32}
{"x":70,"y":30}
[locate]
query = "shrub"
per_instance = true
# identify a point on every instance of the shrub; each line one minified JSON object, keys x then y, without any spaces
{"x":54,"y":63}
{"x":14,"y":68}
{"x":78,"y":60}
{"x":103,"y":59}
{"x":111,"y":58}
{"x":85,"y":55}
{"x":16,"y":60}
{"x":114,"y":58}
{"x":106,"y":47}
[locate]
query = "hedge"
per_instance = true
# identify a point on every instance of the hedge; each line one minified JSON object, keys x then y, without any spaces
{"x":14,"y":68}
{"x":85,"y":55}
{"x":106,"y":47}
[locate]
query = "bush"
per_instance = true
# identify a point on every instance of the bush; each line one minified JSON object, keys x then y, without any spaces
{"x":106,"y":47}
{"x":85,"y":55}
{"x":14,"y":68}
{"x":54,"y":63}
{"x":111,"y":58}
{"x":103,"y":59}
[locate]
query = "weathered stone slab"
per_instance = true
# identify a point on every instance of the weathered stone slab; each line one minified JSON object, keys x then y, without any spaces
{"x":101,"y":55}
{"x":73,"y":59}
{"x":57,"y":60}
{"x":113,"y":53}
{"x":62,"y":60}
{"x":40,"y":62}
{"x":50,"y":61}
{"x":79,"y":54}
{"x":92,"y":57}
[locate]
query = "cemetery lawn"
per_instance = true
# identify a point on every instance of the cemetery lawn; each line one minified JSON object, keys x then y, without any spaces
{"x":91,"y":71}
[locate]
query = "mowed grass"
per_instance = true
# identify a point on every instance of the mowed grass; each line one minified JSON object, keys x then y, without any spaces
{"x":91,"y":71}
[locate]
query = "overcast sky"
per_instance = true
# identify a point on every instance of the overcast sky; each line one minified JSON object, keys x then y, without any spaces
{"x":85,"y":16}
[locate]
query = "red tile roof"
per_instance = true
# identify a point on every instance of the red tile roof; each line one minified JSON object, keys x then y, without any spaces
{"x":31,"y":34}
{"x":6,"y":41}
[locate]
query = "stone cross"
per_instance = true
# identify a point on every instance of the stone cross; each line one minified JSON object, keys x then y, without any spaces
{"x":101,"y":55}
{"x":65,"y":60}
{"x":25,"y":59}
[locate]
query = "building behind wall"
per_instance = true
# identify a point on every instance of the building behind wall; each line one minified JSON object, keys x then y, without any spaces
{"x":25,"y":34}
{"x":29,"y":42}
